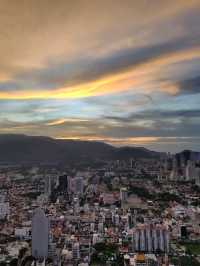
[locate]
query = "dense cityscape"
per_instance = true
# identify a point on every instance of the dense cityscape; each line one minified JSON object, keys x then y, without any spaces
{"x":100,"y":133}
{"x":141,"y":212}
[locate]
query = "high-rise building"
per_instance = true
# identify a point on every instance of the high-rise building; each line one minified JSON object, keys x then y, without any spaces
{"x":191,"y":172}
{"x":76,"y":206}
{"x":63,"y":183}
{"x":3,"y":196}
{"x":197,"y":180}
{"x":79,"y":185}
{"x":132,"y":163}
{"x":40,"y":235}
{"x":70,"y":185}
{"x":76,"y":185}
{"x":76,"y":251}
{"x":115,"y":218}
{"x":151,"y":238}
{"x":174,"y":172}
{"x":123,"y":195}
{"x":100,"y":227}
{"x":50,"y":183}
{"x":183,"y":231}
{"x":130,"y":220}
{"x":48,"y":188}
{"x":4,"y":210}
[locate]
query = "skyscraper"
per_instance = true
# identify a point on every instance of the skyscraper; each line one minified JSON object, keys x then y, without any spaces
{"x":191,"y":172}
{"x":79,"y":185}
{"x":4,"y":210}
{"x":151,"y":238}
{"x":48,"y":184}
{"x":76,"y":185}
{"x":76,"y":251}
{"x":123,"y":194}
{"x":40,"y":235}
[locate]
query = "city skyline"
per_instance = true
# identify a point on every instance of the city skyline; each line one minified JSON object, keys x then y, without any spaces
{"x":122,"y":73}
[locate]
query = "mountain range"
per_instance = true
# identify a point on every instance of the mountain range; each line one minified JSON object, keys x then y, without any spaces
{"x":17,"y":149}
{"x":27,"y":149}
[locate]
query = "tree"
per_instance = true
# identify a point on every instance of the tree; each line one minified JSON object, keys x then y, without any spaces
{"x":14,"y":262}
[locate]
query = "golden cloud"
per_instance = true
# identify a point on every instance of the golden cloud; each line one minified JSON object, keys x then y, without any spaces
{"x":144,"y":77}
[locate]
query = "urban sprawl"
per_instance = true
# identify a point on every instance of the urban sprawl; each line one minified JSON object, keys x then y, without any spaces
{"x":140,"y":212}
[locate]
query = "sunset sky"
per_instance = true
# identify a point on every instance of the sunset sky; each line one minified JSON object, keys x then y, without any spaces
{"x":125,"y":72}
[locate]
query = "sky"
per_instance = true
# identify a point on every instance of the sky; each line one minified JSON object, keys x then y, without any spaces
{"x":123,"y":72}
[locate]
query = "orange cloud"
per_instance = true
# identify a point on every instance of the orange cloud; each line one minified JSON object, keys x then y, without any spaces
{"x":144,"y":77}
{"x":65,"y":120}
{"x":131,"y":141}
{"x":56,"y":122}
{"x":122,"y":141}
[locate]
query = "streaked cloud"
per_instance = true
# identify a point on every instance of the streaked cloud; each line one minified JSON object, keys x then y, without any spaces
{"x":122,"y":72}
{"x":62,"y":121}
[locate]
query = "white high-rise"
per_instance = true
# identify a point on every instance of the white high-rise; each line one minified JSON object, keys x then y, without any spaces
{"x":76,"y":251}
{"x":151,"y":238}
{"x":191,"y":172}
{"x":123,"y":194}
{"x":197,"y":180}
{"x":79,"y":185}
{"x":4,"y":210}
{"x":40,"y":235}
{"x":48,"y":185}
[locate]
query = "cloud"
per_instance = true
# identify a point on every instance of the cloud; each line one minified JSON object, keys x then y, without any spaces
{"x":156,"y":114}
{"x":190,"y":86}
{"x":120,"y":72}
{"x":110,"y":62}
{"x":65,"y":120}
{"x":116,"y":72}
